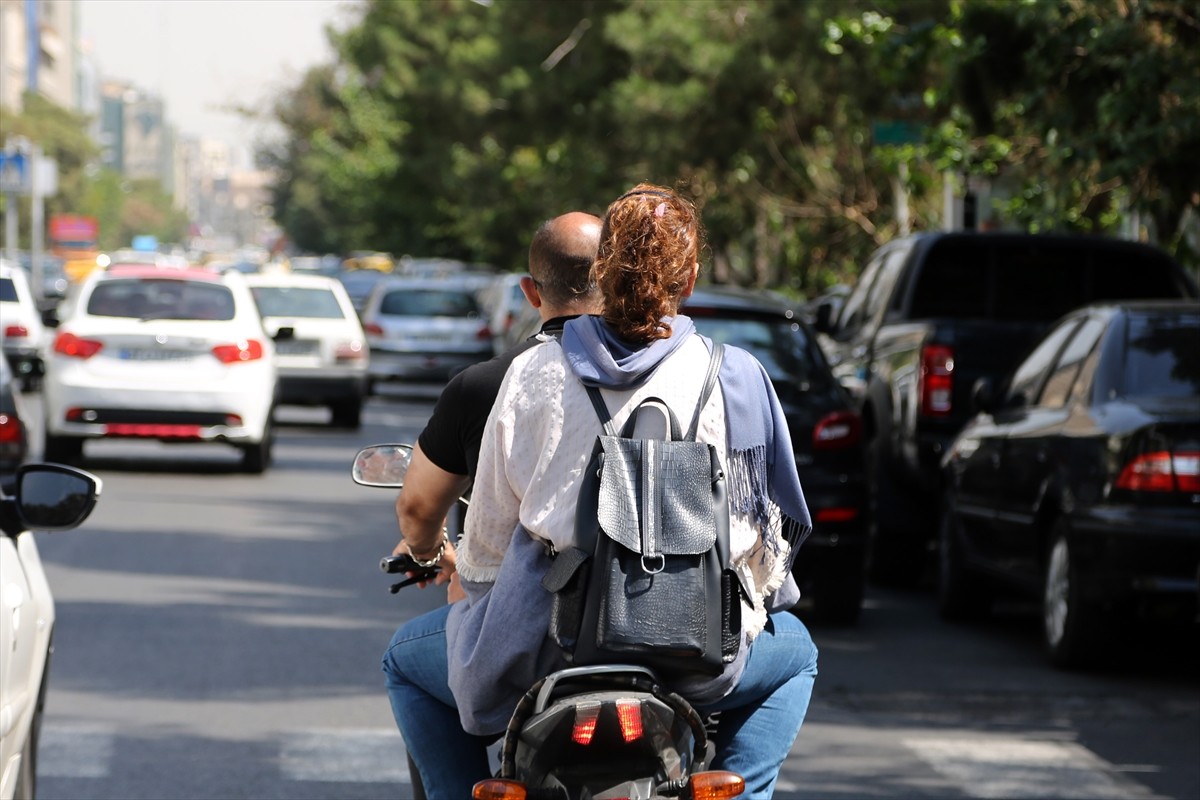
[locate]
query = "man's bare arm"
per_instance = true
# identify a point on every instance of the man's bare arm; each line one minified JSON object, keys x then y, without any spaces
{"x":429,"y":492}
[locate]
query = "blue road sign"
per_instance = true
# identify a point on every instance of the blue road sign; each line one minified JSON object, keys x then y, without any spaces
{"x":14,"y":173}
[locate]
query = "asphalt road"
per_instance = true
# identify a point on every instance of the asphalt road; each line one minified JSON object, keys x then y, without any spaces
{"x":219,"y":636}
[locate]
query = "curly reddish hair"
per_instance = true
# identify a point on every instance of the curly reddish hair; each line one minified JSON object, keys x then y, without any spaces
{"x":650,"y":241}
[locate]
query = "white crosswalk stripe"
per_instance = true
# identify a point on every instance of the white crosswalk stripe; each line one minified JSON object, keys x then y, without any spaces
{"x":76,"y":751}
{"x":344,"y":756}
{"x":1013,"y":768}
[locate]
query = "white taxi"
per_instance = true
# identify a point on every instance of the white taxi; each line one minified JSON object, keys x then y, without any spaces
{"x":175,"y":355}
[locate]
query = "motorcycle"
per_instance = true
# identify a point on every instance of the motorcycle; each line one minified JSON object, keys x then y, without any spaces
{"x":582,"y":733}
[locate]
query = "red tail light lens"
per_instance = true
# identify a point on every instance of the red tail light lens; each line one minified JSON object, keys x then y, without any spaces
{"x":586,"y":716}
{"x":835,"y":514}
{"x":837,"y":430}
{"x":937,"y":380}
{"x":1162,"y":471}
{"x":68,"y":344}
{"x":16,"y":331}
{"x":248,"y":350}
{"x":374,"y":329}
{"x":629,"y":714}
{"x":10,"y":429}
{"x":350,"y":351}
{"x":483,"y":333}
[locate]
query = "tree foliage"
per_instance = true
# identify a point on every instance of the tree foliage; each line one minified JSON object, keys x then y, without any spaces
{"x":452,"y":127}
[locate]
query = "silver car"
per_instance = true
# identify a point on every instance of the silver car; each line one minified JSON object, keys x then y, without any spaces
{"x":425,"y":331}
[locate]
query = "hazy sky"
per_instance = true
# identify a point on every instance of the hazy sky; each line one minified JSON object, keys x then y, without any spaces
{"x":202,"y":55}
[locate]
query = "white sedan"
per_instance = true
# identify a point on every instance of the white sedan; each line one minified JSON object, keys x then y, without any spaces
{"x":44,"y":497}
{"x":21,"y":330}
{"x":175,"y":355}
{"x":320,"y":349}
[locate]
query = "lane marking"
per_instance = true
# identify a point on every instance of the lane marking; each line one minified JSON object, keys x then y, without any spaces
{"x":341,"y":755}
{"x":1015,"y":768}
{"x":76,"y":751}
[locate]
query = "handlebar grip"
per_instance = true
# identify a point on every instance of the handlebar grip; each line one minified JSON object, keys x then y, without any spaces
{"x":404,"y":563}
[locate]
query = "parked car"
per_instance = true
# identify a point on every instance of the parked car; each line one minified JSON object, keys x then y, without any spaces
{"x":359,"y":283}
{"x":425,"y":330}
{"x":320,"y":349}
{"x":41,"y":497}
{"x":1078,"y":482}
{"x":929,"y":315}
{"x":826,"y":439}
{"x":504,"y":301}
{"x":14,"y":436}
{"x":176,"y":355}
{"x":21,"y":330}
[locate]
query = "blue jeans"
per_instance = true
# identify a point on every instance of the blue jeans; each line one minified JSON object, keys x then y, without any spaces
{"x":759,"y":719}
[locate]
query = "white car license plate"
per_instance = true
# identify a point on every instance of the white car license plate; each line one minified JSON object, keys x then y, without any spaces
{"x":153,"y":354}
{"x":302,"y":347}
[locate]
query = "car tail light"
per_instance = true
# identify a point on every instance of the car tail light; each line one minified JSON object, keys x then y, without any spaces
{"x":1162,"y":471}
{"x":629,"y":714}
{"x":373,"y":328}
{"x":350,"y":351}
{"x":10,"y":429}
{"x":246,"y":350}
{"x":483,"y":333}
{"x":836,"y":514}
{"x":716,"y":785}
{"x":16,"y":331}
{"x":586,"y":716}
{"x":837,"y":430}
{"x":498,"y":789}
{"x":68,"y":344}
{"x":936,"y":388}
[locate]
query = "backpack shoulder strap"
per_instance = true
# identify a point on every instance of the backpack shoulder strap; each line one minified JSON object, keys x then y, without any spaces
{"x":710,"y":380}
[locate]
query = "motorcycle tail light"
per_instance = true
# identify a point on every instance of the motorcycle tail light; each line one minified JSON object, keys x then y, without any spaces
{"x":1162,"y":471}
{"x":586,"y":716}
{"x":245,"y":350}
{"x":716,"y":785}
{"x":629,"y":714}
{"x":68,"y":344}
{"x":937,"y":380}
{"x":837,"y":430}
{"x":498,"y":789}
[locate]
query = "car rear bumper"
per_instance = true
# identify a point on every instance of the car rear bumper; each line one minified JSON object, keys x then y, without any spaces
{"x":310,"y":387}
{"x":1139,"y":551}
{"x":391,"y":365}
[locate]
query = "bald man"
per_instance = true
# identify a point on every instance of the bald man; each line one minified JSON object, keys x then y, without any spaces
{"x":560,"y":287}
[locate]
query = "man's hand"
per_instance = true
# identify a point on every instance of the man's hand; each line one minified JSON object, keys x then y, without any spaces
{"x":447,"y":565}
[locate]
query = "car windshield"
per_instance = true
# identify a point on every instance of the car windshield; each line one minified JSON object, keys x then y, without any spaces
{"x":8,"y":291}
{"x":161,"y":299}
{"x":293,"y":301}
{"x":1163,"y":356}
{"x":779,"y":345}
{"x":428,"y":303}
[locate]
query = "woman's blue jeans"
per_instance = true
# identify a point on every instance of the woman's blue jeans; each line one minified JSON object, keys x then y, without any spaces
{"x":759,"y":719}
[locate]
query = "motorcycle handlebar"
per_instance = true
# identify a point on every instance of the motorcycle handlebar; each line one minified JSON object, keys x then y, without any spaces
{"x":393,"y":565}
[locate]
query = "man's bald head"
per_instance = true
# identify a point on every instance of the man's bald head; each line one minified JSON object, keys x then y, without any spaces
{"x":561,"y":256}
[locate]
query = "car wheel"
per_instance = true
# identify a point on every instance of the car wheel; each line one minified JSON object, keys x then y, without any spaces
{"x":1069,"y":626}
{"x":348,"y":413}
{"x":257,"y":457}
{"x":893,"y":558}
{"x":62,"y":449}
{"x":962,"y":594}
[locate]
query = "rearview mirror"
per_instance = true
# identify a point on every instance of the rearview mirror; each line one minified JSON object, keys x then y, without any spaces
{"x":382,"y":465}
{"x":55,"y":497}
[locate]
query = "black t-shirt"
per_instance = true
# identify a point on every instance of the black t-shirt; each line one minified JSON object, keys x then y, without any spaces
{"x":452,"y":436}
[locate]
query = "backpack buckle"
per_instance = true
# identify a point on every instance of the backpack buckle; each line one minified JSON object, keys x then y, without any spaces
{"x":659,"y":560}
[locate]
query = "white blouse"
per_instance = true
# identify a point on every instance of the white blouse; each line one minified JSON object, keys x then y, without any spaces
{"x":538,"y":441}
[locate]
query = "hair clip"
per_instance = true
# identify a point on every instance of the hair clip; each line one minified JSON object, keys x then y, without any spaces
{"x":660,"y":210}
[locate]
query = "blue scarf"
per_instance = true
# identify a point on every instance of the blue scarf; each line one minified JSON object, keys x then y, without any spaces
{"x":762,"y":466}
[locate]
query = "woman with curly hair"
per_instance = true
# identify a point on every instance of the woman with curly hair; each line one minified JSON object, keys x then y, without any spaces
{"x":536,"y":446}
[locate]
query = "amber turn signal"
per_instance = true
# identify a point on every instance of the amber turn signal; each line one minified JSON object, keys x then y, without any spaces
{"x":715,"y":785}
{"x":499,"y":789}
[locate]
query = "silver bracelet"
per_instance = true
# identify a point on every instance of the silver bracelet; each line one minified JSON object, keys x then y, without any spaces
{"x":432,"y":562}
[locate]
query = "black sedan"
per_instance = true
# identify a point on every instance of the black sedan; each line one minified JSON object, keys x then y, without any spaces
{"x":826,"y":437}
{"x":1078,"y":483}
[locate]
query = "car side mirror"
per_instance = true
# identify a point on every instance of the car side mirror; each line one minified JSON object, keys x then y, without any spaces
{"x":983,"y":396}
{"x":824,"y":319}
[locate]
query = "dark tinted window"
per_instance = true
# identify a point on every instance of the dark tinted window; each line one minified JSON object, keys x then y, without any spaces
{"x":1025,"y":381}
{"x":1036,"y":280}
{"x":1162,"y":355}
{"x":161,"y":299}
{"x":779,"y":345}
{"x":428,"y":303}
{"x":8,"y":291}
